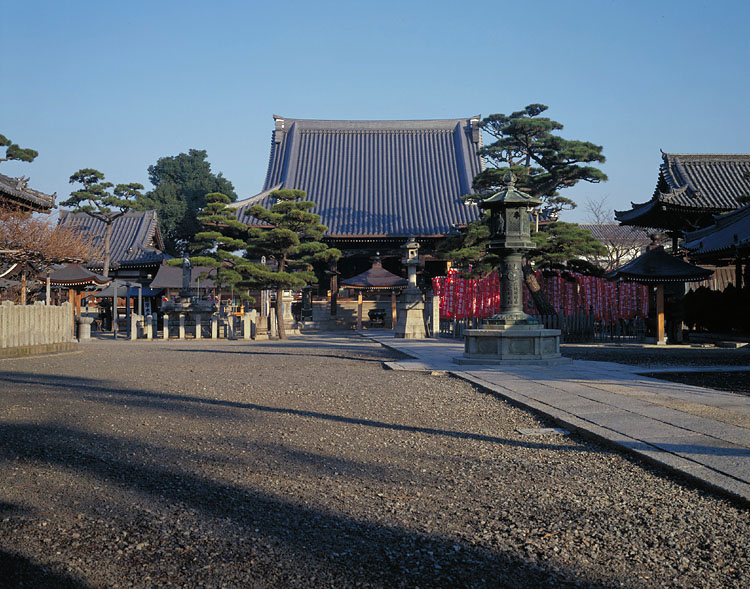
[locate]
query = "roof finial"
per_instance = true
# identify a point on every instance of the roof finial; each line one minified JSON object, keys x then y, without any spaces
{"x":510,"y":179}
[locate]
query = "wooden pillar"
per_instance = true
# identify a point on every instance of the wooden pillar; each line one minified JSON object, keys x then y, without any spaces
{"x":334,"y":290}
{"x":23,"y":287}
{"x":738,"y":273}
{"x":393,"y":309}
{"x":359,"y":310}
{"x":660,"y":338}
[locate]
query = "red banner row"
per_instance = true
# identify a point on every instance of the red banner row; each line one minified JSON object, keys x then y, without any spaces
{"x":568,"y":293}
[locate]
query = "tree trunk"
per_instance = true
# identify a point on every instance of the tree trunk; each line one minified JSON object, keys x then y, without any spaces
{"x":280,"y":312}
{"x":541,"y":303}
{"x":107,"y":252}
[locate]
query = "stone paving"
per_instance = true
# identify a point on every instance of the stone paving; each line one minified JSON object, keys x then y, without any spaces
{"x":701,"y":433}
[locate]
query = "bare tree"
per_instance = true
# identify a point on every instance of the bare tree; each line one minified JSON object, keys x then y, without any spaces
{"x":623,"y":242}
{"x":25,"y":239}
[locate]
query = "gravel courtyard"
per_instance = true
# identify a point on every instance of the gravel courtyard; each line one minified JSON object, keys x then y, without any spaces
{"x":306,"y":464}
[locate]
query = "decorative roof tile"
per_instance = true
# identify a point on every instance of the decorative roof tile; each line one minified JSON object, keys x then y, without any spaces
{"x":376,"y":178}
{"x":16,"y":191}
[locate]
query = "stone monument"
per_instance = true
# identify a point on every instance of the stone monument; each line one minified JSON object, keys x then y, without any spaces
{"x":410,"y":322}
{"x":511,"y":336}
{"x":186,"y":309}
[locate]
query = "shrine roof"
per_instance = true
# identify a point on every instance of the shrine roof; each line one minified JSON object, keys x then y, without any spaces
{"x":17,"y":193}
{"x":135,"y":237}
{"x":613,"y":233}
{"x":657,"y":266}
{"x":171,"y":277}
{"x":730,"y":232}
{"x":376,"y":178}
{"x":75,"y":275}
{"x":376,"y":278}
{"x":692,"y":184}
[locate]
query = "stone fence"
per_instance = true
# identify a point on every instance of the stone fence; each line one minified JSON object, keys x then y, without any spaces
{"x":192,"y":326}
{"x":35,"y":329}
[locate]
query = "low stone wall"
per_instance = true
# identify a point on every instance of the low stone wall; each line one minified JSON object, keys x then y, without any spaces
{"x":35,"y":329}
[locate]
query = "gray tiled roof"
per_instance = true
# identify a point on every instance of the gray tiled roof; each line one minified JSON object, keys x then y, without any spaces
{"x":376,"y":178}
{"x":17,"y":191}
{"x":701,"y":183}
{"x":171,"y":277}
{"x":729,"y":233}
{"x":616,"y":234}
{"x":135,"y":236}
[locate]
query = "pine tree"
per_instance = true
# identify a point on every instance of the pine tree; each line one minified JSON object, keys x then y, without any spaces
{"x":14,"y":152}
{"x":99,"y":200}
{"x":543,"y":164}
{"x":287,"y":234}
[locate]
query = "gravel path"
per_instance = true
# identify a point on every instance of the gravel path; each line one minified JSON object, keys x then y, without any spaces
{"x":306,"y":464}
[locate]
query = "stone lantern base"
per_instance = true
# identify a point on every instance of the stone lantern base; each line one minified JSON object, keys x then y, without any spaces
{"x":512,"y":344}
{"x":410,"y":322}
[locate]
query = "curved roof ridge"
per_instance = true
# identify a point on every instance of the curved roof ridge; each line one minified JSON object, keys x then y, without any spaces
{"x":694,"y":156}
{"x":373,"y":124}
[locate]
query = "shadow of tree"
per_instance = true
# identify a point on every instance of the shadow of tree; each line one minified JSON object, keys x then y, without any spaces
{"x":18,"y":571}
{"x":194,"y":404}
{"x":343,"y":548}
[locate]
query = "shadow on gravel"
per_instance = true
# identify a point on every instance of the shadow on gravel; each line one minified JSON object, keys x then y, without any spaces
{"x":302,"y":354}
{"x":185,"y":403}
{"x":18,"y":571}
{"x":339,"y":549}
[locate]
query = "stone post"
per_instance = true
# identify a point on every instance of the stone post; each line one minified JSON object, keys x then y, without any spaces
{"x":436,"y":316}
{"x":149,"y":327}
{"x":133,"y":331}
{"x":246,"y":326}
{"x":253,"y":314}
{"x":198,"y":326}
{"x":165,"y":335}
{"x":274,"y":328}
{"x":286,"y":305}
{"x":214,"y":326}
{"x":181,"y":332}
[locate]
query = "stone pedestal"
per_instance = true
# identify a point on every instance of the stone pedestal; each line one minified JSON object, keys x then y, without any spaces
{"x":84,"y":328}
{"x":410,"y":321}
{"x":513,"y":344}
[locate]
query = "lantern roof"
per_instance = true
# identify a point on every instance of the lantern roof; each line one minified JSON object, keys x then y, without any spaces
{"x":509,"y":194}
{"x":376,"y":278}
{"x":657,"y":266}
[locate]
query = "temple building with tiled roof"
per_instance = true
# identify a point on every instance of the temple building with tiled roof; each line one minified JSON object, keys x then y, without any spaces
{"x":15,"y":193}
{"x":136,"y":245}
{"x":375,"y":183}
{"x":690,"y":190}
{"x":724,"y":243}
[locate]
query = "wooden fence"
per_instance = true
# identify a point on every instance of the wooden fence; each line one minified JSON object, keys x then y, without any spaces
{"x":37,"y":325}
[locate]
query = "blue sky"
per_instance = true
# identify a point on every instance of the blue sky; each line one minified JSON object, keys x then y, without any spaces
{"x":115,"y":86}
